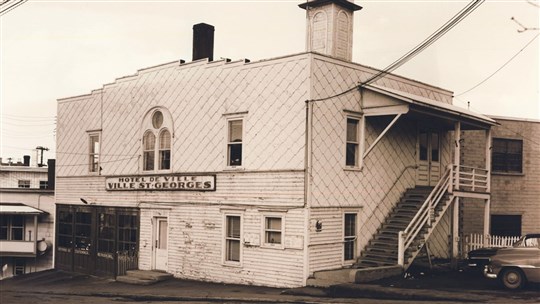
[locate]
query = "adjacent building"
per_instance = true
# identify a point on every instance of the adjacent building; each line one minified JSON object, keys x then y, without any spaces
{"x":27,"y":212}
{"x":515,"y":178}
{"x":264,"y":172}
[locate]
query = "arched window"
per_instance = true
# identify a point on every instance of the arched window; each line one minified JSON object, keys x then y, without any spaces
{"x":157,"y":142}
{"x":149,"y":146}
{"x":164,"y":150}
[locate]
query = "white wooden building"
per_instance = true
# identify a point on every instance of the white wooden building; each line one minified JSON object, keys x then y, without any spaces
{"x":27,"y":212}
{"x":260,"y":172}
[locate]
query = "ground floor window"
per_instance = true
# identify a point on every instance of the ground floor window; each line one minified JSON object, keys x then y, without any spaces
{"x":272,"y":230}
{"x":349,"y":236}
{"x":506,"y":225}
{"x":232,"y":238}
{"x":19,"y":265}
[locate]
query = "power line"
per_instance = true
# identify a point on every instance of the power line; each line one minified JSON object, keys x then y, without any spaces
{"x":507,"y":62}
{"x":11,"y":6}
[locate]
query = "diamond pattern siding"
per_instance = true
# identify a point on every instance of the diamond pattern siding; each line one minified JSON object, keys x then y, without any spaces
{"x":197,"y":95}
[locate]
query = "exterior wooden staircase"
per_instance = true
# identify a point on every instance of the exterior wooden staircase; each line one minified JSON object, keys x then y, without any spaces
{"x":382,"y":249}
{"x":400,"y":238}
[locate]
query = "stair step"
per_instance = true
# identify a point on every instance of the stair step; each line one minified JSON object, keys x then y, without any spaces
{"x":143,"y":277}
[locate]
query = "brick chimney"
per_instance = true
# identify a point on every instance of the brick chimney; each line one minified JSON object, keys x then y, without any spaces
{"x":26,"y":160}
{"x":330,"y":27}
{"x":203,"y":41}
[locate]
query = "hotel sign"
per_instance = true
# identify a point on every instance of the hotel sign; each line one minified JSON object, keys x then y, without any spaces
{"x":170,"y":182}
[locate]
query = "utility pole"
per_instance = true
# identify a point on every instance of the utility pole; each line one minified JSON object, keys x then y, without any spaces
{"x":42,"y":149}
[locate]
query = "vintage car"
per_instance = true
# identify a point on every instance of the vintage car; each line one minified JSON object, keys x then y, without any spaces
{"x":515,"y":266}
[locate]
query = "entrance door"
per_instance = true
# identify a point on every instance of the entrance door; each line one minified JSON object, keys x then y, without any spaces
{"x":161,"y":229}
{"x":429,"y":165}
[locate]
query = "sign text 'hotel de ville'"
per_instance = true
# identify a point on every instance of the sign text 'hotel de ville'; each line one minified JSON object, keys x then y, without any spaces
{"x":161,"y":183}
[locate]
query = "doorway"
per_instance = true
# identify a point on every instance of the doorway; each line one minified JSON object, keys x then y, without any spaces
{"x":429,"y":163}
{"x":161,"y":234}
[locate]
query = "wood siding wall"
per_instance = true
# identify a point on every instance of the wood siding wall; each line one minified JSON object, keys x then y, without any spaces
{"x":10,"y":179}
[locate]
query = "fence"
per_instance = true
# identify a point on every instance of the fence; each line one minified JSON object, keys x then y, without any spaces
{"x":476,"y":241}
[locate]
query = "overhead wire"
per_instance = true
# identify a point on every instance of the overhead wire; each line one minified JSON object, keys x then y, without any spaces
{"x":500,"y":68}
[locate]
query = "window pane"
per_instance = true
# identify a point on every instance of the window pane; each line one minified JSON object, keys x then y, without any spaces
{"x":350,"y":224}
{"x":148,"y":160}
{"x":273,"y":223}
{"x":164,"y":159}
{"x":157,"y":120}
{"x":165,"y":140}
{"x":149,"y":141}
{"x":349,"y":231}
{"x":233,"y":250}
{"x":423,"y":146}
{"x":351,"y":156}
{"x":235,"y":154}
{"x":163,"y":227}
{"x":235,"y":131}
{"x":434,"y":147}
{"x":273,"y":237}
{"x":352,"y":130}
{"x":507,"y":155}
{"x":233,"y":226}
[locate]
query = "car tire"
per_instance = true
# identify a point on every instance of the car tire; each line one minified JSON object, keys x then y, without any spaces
{"x":512,"y":278}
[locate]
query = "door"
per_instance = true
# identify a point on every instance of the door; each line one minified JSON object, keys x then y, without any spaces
{"x":160,"y":255}
{"x":429,"y":165}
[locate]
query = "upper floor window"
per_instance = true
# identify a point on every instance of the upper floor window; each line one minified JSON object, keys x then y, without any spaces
{"x":93,"y":152}
{"x":507,"y":155}
{"x":353,"y":153}
{"x":24,"y":183}
{"x":234,"y":142}
{"x":157,"y":141}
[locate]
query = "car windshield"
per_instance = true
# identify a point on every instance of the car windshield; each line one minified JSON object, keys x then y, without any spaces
{"x":528,"y":242}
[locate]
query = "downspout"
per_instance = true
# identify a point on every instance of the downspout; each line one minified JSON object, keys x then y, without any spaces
{"x":307,"y":172}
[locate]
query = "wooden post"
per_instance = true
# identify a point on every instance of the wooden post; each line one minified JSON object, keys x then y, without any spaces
{"x":457,"y":147}
{"x":488,"y":159}
{"x":455,"y":231}
{"x":401,"y":249}
{"x":487,"y":217}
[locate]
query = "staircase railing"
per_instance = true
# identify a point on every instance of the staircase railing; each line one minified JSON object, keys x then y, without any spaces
{"x":425,"y":215}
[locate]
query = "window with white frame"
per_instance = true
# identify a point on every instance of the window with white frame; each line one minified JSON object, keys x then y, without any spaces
{"x":24,"y":183}
{"x":93,"y":153}
{"x":273,"y":230}
{"x":234,"y":142}
{"x":157,"y":142}
{"x":232,"y":238}
{"x":507,"y":155}
{"x":349,"y":236}
{"x":352,"y":157}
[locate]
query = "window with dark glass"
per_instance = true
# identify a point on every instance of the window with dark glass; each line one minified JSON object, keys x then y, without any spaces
{"x":164,"y":150}
{"x":4,"y":227}
{"x":507,"y":155}
{"x":83,"y":232}
{"x":232,"y":239}
{"x":272,"y":230}
{"x":12,"y":227}
{"x":106,"y":235}
{"x":65,"y":228}
{"x":43,"y":184}
{"x":349,"y":241}
{"x":94,"y":153}
{"x":234,"y":146}
{"x":149,"y":144}
{"x":505,"y":225}
{"x":351,"y":158}
{"x":127,"y":233}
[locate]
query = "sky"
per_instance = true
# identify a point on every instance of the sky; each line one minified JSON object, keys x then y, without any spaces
{"x":57,"y":49}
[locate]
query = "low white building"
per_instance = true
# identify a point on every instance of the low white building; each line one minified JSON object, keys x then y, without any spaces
{"x":263,"y":173}
{"x":27,"y":212}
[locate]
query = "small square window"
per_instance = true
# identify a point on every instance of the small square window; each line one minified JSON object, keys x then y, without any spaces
{"x":272,"y":230}
{"x":24,"y":183}
{"x":43,"y":184}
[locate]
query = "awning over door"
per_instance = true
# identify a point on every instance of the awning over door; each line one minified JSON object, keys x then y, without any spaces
{"x":6,"y":208}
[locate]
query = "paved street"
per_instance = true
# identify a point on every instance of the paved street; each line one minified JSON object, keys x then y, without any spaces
{"x":440,"y":287}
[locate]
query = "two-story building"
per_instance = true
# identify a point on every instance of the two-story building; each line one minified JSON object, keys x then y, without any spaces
{"x":267,"y":173}
{"x":27,"y":212}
